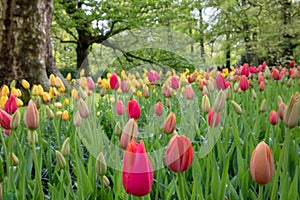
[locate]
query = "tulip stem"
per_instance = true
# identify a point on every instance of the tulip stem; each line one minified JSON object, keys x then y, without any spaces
{"x":283,"y":156}
{"x":181,"y":186}
{"x":260,"y":192}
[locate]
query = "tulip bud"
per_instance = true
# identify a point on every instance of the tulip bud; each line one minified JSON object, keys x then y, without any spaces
{"x":117,"y":129}
{"x":189,"y":93}
{"x":105,"y":181}
{"x":291,"y":112}
{"x":124,"y":86}
{"x":281,"y":108}
{"x":179,"y":153}
{"x":167,"y":91}
{"x":14,"y":158}
{"x":101,"y":165}
{"x":220,"y":82}
{"x":38,"y":102}
{"x":32,"y":137}
{"x":170,"y":123}
{"x":25,"y":84}
{"x":210,"y":86}
{"x":133,"y":109}
{"x":90,"y":83}
{"x":262,"y":164}
{"x":49,"y":113}
{"x":119,"y":107}
{"x":65,"y":149}
{"x":31,"y":117}
{"x":77,"y":119}
{"x":213,"y":118}
{"x":174,"y":83}
{"x":263,"y":106}
{"x":267,"y":73}
{"x":200,"y":85}
{"x":15,"y":121}
{"x":60,"y":159}
{"x":273,"y":117}
{"x":205,"y":104}
{"x":228,"y":93}
{"x":65,"y":116}
{"x":114,"y":82}
{"x":11,"y":104}
{"x":244,"y":83}
{"x":145,"y":91}
{"x":254,"y":95}
{"x":130,"y":132}
{"x":220,"y":101}
{"x":83,"y":108}
{"x":205,"y":90}
{"x":82,"y":93}
{"x":237,"y":108}
{"x":159,"y":108}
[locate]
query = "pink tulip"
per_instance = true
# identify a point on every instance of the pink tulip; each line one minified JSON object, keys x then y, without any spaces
{"x":114,"y":82}
{"x":167,"y":91}
{"x":275,"y":74}
{"x":31,"y":117}
{"x":189,"y":92}
{"x":124,"y":86}
{"x":153,"y":76}
{"x":281,"y":108}
{"x":159,"y":108}
{"x":260,"y":78}
{"x":133,"y":109}
{"x":192,"y":78}
{"x":261,"y":86}
{"x":264,"y":64}
{"x":170,"y":123}
{"x":179,"y":154}
{"x":220,"y":82}
{"x":213,"y":118}
{"x":273,"y":117}
{"x":90,"y":83}
{"x":5,"y":119}
{"x":174,"y":83}
{"x":11,"y":104}
{"x":244,"y":83}
{"x":119,"y":107}
{"x":137,"y":173}
{"x":253,"y":70}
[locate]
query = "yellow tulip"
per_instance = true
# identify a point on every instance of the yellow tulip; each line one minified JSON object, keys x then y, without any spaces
{"x":19,"y":102}
{"x":3,"y":100}
{"x":25,"y":84}
{"x":65,"y":115}
{"x":68,"y":77}
{"x":46,"y":97}
{"x":4,"y":90}
{"x":52,"y":80}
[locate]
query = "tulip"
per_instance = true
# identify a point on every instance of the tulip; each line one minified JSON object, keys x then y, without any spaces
{"x":170,"y":123}
{"x":179,"y":153}
{"x":167,"y":91}
{"x":220,"y":82}
{"x":291,"y":113}
{"x":262,"y":164}
{"x":65,"y":149}
{"x":245,"y":70}
{"x":114,"y":82}
{"x":237,"y":108}
{"x":4,"y":91}
{"x":130,"y":132}
{"x":174,"y":83}
{"x":292,"y":63}
{"x":65,"y":116}
{"x":77,"y":119}
{"x":101,"y":167}
{"x":192,"y":78}
{"x":124,"y":86}
{"x":261,"y":86}
{"x":273,"y":117}
{"x":133,"y":109}
{"x":90,"y":83}
{"x":31,"y":117}
{"x":189,"y":93}
{"x":15,"y":121}
{"x":244,"y":84}
{"x":281,"y":108}
{"x":220,"y":101}
{"x":5,"y":119}
{"x":11,"y":104}
{"x":152,"y":77}
{"x":145,"y":91}
{"x":119,"y":107}
{"x":263,"y":105}
{"x":25,"y":84}
{"x":61,"y":161}
{"x":137,"y":172}
{"x":205,"y":104}
{"x":159,"y":108}
{"x":213,"y":118}
{"x":83,"y":108}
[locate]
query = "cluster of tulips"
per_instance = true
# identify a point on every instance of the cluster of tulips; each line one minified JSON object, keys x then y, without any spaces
{"x":137,"y":169}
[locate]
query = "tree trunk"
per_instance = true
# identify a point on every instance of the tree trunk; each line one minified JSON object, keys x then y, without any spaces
{"x":227,"y":51}
{"x":201,"y":35}
{"x":23,"y":41}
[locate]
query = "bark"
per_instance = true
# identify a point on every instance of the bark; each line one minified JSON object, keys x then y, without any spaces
{"x":227,"y":51}
{"x":23,"y":41}
{"x":202,"y":53}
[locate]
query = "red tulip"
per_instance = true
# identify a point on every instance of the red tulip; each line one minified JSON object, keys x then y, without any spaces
{"x":261,"y":86}
{"x":264,"y":64}
{"x":213,"y":118}
{"x":119,"y":107}
{"x":174,"y":83}
{"x":31,"y":117}
{"x":292,"y":63}
{"x":159,"y":108}
{"x":275,"y":74}
{"x":220,"y":82}
{"x":114,"y":82}
{"x":273,"y":117}
{"x":189,"y":93}
{"x":245,"y":69}
{"x":244,"y":83}
{"x":5,"y":119}
{"x":11,"y":104}
{"x":133,"y":109}
{"x":179,"y":154}
{"x":137,"y":173}
{"x":262,"y":164}
{"x":192,"y":78}
{"x":252,"y":70}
